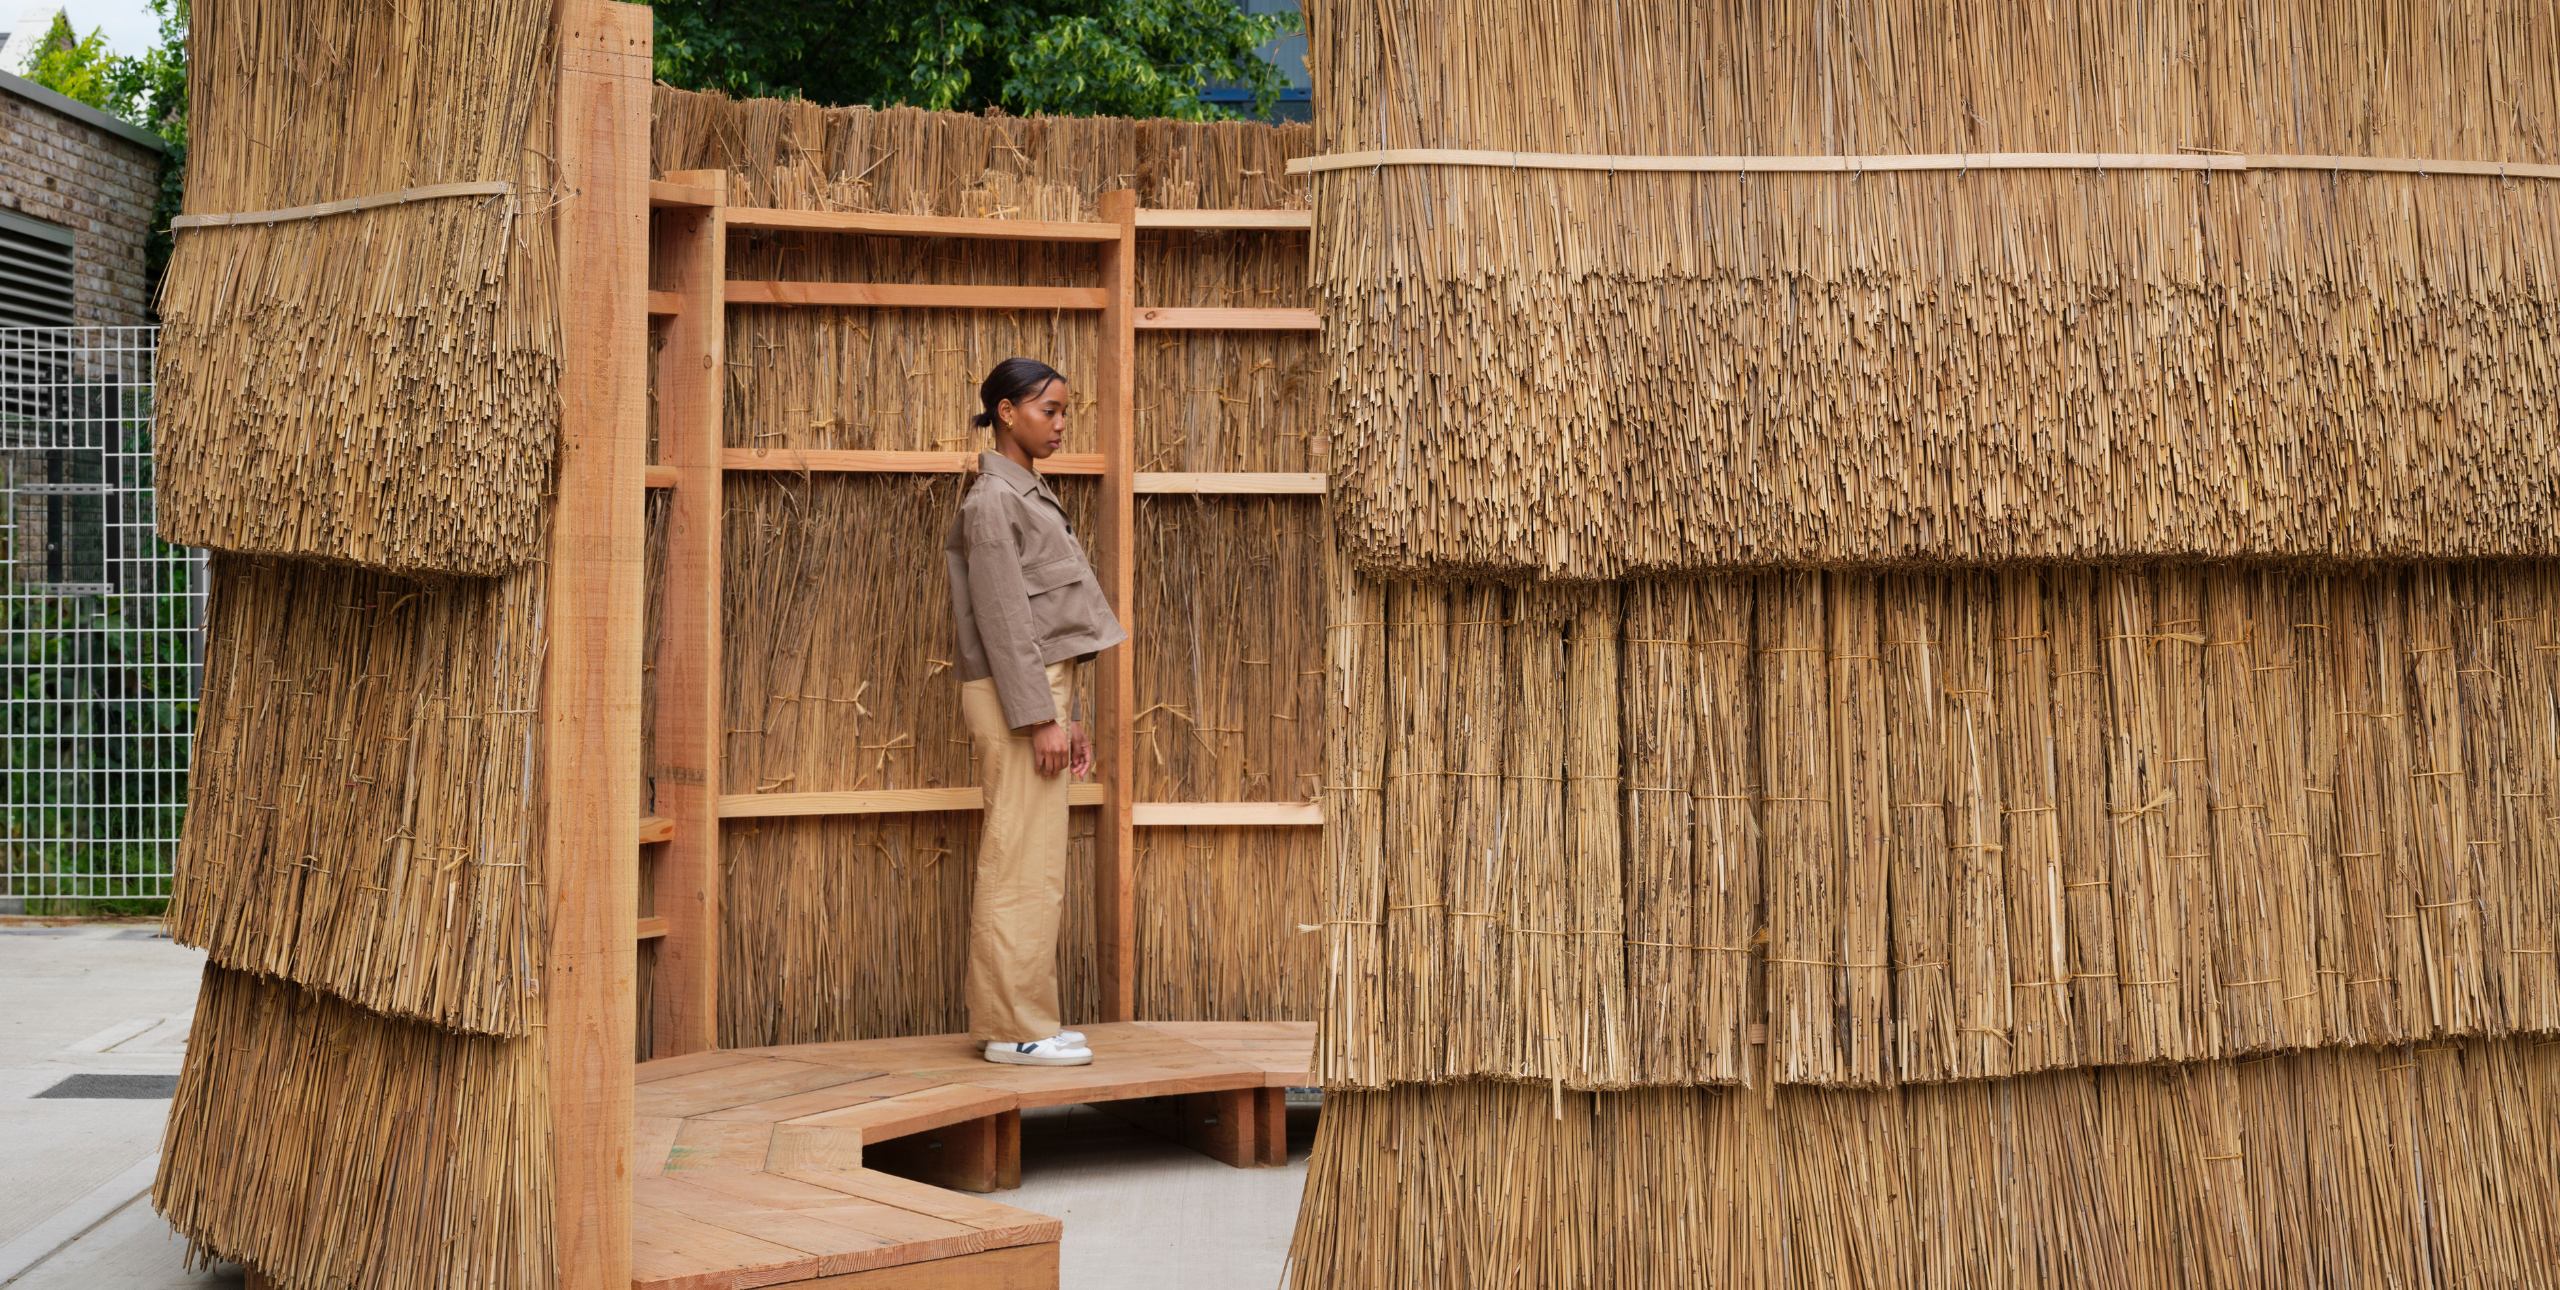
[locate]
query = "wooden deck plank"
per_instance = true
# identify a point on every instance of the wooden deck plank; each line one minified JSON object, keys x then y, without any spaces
{"x":652,"y":1138}
{"x":713,"y":1144}
{"x":986,"y":1216}
{"x":932,"y":1108}
{"x":859,"y":1088}
{"x":667,"y":1068}
{"x":695,"y":1095}
{"x":1010,"y":1268}
{"x":673,"y":1251}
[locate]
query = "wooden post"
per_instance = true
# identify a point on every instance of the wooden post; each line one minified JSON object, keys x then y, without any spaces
{"x":591,"y":692}
{"x":1115,"y":834}
{"x":980,"y":1155}
{"x":690,"y":258}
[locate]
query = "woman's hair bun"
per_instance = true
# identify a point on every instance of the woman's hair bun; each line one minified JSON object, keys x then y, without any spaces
{"x":1015,"y":378}
{"x":983,"y":420}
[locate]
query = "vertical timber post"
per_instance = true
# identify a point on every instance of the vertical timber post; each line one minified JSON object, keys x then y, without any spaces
{"x":1115,"y":833}
{"x":591,"y":687}
{"x":690,"y":257}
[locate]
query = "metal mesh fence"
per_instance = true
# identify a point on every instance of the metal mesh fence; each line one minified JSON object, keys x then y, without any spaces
{"x":101,"y":649}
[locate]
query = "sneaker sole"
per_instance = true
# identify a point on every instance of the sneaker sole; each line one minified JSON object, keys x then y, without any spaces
{"x":1034,"y":1059}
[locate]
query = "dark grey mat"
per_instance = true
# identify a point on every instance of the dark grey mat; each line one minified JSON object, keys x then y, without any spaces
{"x":98,"y":1087}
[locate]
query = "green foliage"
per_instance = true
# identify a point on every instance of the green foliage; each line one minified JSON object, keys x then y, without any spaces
{"x":75,"y":67}
{"x":149,"y":90}
{"x":1069,"y":57}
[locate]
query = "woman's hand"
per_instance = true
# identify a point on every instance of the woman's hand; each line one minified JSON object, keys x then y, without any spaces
{"x":1051,"y":748}
{"x":1080,"y":762}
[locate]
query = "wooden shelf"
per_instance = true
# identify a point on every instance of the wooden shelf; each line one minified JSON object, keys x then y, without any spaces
{"x":1226,"y":814}
{"x":1169,"y":319}
{"x":912,"y":295}
{"x":664,"y":193}
{"x":885,"y":801}
{"x":1276,"y":221}
{"x":656,"y":828}
{"x":1229,"y":482}
{"x":652,"y":929}
{"x":860,"y":461}
{"x":884,"y":224}
{"x":661,"y":477}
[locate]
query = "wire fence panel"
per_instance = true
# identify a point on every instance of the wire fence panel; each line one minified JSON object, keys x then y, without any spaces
{"x":101,"y":651}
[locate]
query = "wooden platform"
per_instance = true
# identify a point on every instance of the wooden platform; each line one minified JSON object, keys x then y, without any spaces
{"x":848,"y":1166}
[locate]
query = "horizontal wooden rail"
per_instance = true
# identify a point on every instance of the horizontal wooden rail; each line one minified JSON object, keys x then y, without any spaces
{"x":1226,"y":814}
{"x":1232,"y":481}
{"x":885,"y":801}
{"x":665,"y":304}
{"x":1169,"y":319}
{"x":661,"y":477}
{"x":884,"y":224}
{"x":656,"y":828}
{"x":1276,"y":221}
{"x":912,"y":295}
{"x":652,"y":928}
{"x":864,"y":461}
{"x":664,"y":193}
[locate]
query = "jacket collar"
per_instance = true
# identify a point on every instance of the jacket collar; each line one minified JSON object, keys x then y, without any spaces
{"x":1027,"y":483}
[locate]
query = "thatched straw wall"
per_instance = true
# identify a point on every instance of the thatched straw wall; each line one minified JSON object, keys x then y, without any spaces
{"x":1937,"y":827}
{"x":362,"y":813}
{"x":376,"y":387}
{"x":838,"y":636}
{"x":331,"y":1146}
{"x":2430,"y":1165}
{"x":1593,"y":374}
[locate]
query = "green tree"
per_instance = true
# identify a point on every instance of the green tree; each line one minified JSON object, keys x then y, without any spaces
{"x":76,"y":67}
{"x":1070,"y":57}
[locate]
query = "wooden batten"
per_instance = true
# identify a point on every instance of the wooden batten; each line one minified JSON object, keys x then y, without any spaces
{"x":1116,"y":844}
{"x":1169,"y":319}
{"x":882,"y":223}
{"x":883,"y":801}
{"x":1231,"y":482}
{"x":1227,"y":220}
{"x":913,"y":295}
{"x":591,"y":703}
{"x":819,"y":461}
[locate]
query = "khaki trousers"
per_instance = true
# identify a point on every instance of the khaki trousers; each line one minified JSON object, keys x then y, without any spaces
{"x":1021,"y":884}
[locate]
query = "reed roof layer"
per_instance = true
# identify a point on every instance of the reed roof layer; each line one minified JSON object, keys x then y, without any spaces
{"x":375,"y":387}
{"x":364,"y":813}
{"x":328,"y":1145}
{"x":1595,"y":374}
{"x":2430,"y":1165}
{"x":1919,"y":828}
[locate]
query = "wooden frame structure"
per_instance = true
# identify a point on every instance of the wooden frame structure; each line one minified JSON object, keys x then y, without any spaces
{"x":640,"y":253}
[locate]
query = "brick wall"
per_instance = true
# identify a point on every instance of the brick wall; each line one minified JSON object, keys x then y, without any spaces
{"x":58,"y":166}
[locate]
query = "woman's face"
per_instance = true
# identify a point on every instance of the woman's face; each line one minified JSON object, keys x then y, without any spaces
{"x":1039,"y":423}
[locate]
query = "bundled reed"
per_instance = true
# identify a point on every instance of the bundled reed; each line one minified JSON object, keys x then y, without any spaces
{"x":857,"y":927}
{"x":375,"y":387}
{"x":330,"y":1146}
{"x":1218,"y":913}
{"x":2395,"y":1166}
{"x":363,"y":817}
{"x":1603,"y":373}
{"x":1932,"y":828}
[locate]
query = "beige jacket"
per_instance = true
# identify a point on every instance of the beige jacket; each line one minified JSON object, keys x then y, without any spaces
{"x":1022,"y":592}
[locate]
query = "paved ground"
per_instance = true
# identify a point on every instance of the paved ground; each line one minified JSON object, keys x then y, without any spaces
{"x":114,"y":999}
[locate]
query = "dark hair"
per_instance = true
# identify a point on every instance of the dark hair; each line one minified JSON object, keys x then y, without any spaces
{"x":1016,"y":379}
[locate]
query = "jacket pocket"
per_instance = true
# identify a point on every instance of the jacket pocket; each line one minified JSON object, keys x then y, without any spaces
{"x":1053,"y":573}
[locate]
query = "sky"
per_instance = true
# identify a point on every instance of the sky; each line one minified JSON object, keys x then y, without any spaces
{"x":129,"y":24}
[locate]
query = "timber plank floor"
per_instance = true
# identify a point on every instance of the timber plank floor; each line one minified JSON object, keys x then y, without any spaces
{"x":856,"y":1166}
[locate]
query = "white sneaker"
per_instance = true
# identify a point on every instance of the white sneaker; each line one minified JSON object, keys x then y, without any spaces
{"x":1053,"y":1051}
{"x":1072,"y":1038}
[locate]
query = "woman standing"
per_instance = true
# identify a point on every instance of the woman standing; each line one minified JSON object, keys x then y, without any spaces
{"x":1028,"y":609}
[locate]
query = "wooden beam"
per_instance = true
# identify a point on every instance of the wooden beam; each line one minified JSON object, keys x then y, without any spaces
{"x":1011,"y":1267}
{"x":690,"y":249}
{"x":980,"y":1155}
{"x":591,"y":690}
{"x":1168,"y":319}
{"x":911,"y":295}
{"x":1231,"y":482}
{"x":878,"y":801}
{"x":656,"y":828}
{"x":1197,"y":815}
{"x":668,"y":192}
{"x":653,"y":928}
{"x":665,"y":304}
{"x":1276,"y":221}
{"x":815,"y":461}
{"x":882,"y":223}
{"x":1115,"y":929}
{"x":657,"y":477}
{"x":1271,"y":1124}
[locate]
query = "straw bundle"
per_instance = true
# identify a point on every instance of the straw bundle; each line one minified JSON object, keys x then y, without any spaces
{"x":1593,"y":374}
{"x":361,"y":814}
{"x":2401,"y":1166}
{"x":858,"y":927}
{"x":374,"y":387}
{"x":330,"y":1146}
{"x":1966,"y":826}
{"x":1217,"y":914}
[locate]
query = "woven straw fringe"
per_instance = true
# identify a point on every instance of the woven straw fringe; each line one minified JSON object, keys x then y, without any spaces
{"x":376,"y":388}
{"x":1590,"y":375}
{"x":362,"y":817}
{"x":2350,"y":1167}
{"x":1935,"y":828}
{"x":330,"y":1146}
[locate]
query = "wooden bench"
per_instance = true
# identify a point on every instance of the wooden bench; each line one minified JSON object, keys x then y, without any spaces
{"x":848,"y":1165}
